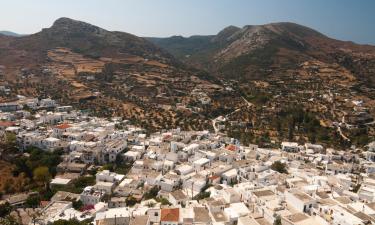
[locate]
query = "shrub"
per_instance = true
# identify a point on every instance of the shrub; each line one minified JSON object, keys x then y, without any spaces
{"x":279,"y":167}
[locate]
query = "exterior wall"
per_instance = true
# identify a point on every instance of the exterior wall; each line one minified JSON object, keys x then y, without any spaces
{"x":166,"y":186}
{"x":231,"y":198}
{"x":89,"y":199}
{"x":172,"y":200}
{"x":154,"y":215}
{"x":104,"y":188}
{"x":168,"y":223}
{"x":116,"y":204}
{"x":340,"y":218}
{"x":118,"y":221}
{"x":296,"y":203}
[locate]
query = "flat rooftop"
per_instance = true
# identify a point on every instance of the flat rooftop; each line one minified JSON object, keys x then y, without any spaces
{"x":263,"y":193}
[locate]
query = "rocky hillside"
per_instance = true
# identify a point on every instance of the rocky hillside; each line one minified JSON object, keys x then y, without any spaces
{"x":88,"y":40}
{"x":259,"y":84}
{"x":301,"y":83}
{"x":254,"y":52}
{"x":111,"y":73}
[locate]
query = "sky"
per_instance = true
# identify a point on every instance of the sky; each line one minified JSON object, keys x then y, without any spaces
{"x":349,"y":20}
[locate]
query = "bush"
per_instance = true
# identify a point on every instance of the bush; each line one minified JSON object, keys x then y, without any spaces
{"x":8,"y":220}
{"x":77,"y":205}
{"x":202,"y":195}
{"x":33,"y":201}
{"x":131,"y":201}
{"x":5,"y":209}
{"x":277,"y":221}
{"x":152,"y":193}
{"x":38,"y":158}
{"x":163,"y":201}
{"x":71,"y":222}
{"x":76,"y":186}
{"x":279,"y":167}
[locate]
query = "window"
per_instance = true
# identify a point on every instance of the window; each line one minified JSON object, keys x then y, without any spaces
{"x":156,"y":214}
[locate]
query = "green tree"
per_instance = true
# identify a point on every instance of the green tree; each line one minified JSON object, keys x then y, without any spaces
{"x":71,"y":222}
{"x":277,"y":221}
{"x":77,"y":204}
{"x":33,"y":201}
{"x":152,"y":193}
{"x":163,"y":201}
{"x":8,"y":220}
{"x":5,"y":209}
{"x":356,"y":188}
{"x":42,"y":175}
{"x":131,"y":201}
{"x":279,"y":167}
{"x":10,"y":138}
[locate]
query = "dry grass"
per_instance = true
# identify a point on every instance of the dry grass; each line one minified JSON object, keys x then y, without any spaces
{"x":67,"y":60}
{"x":7,"y":179}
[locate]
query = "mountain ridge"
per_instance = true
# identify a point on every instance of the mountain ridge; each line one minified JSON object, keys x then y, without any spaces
{"x":10,"y":33}
{"x":110,"y":72}
{"x":215,"y":53}
{"x":254,"y":74}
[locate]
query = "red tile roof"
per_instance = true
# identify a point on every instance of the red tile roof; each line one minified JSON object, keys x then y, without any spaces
{"x":6,"y":124}
{"x":44,"y":203}
{"x":63,"y":126}
{"x":172,"y":215}
{"x":213,"y":177}
{"x":231,"y":148}
{"x":166,"y":137}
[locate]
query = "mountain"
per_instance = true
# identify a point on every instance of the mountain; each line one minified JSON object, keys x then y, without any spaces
{"x":109,"y":72}
{"x":88,"y":39}
{"x":10,"y":33}
{"x":271,"y":83}
{"x":252,"y":51}
{"x":300,"y":83}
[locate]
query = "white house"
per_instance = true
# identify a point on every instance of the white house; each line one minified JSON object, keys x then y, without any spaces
{"x":47,"y":103}
{"x":114,"y":216}
{"x":132,"y":156}
{"x":230,"y":176}
{"x":52,"y":143}
{"x":107,"y":176}
{"x":90,"y":196}
{"x":113,"y":148}
{"x":169,"y":181}
{"x":230,"y":195}
{"x":299,"y":200}
{"x":236,"y":210}
{"x":106,"y":187}
{"x":184,"y":169}
{"x":177,"y":197}
{"x":290,"y":146}
{"x":201,"y":163}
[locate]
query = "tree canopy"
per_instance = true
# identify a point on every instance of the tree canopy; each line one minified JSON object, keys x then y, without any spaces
{"x":279,"y":167}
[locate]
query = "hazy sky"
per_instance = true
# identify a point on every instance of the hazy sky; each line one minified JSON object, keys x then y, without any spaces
{"x":342,"y":19}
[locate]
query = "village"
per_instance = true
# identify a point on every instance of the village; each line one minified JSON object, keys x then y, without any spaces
{"x":176,"y":177}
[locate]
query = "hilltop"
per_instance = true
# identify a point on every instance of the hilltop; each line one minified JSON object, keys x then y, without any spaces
{"x":256,"y":83}
{"x":247,"y":52}
{"x":293,"y":75}
{"x":10,"y":33}
{"x":109,"y":72}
